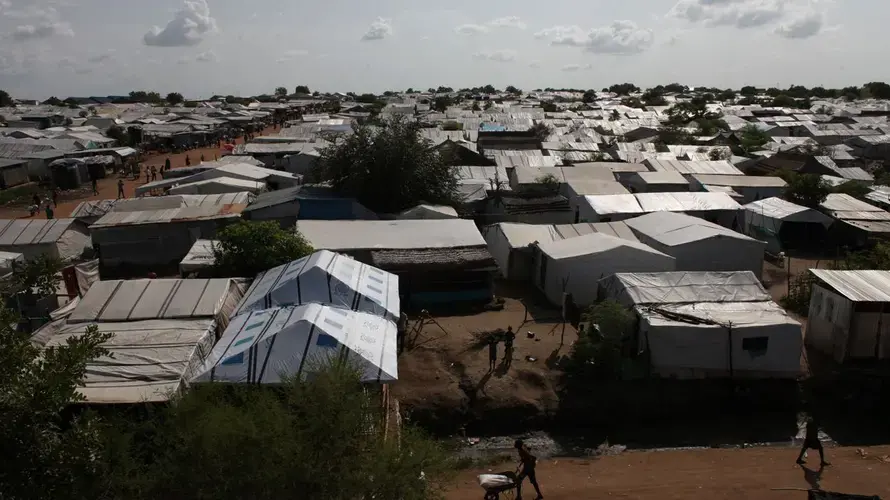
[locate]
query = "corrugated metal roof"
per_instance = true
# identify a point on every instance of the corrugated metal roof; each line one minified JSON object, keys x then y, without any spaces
{"x":686,"y":202}
{"x":204,"y":212}
{"x":670,"y":228}
{"x":390,"y":235}
{"x":858,"y":286}
{"x":740,"y":180}
{"x":845,"y":207}
{"x":32,"y":231}
{"x":693,"y":167}
{"x":135,"y":300}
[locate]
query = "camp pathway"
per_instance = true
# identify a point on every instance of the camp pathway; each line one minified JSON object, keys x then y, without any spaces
{"x":767,"y":473}
{"x":108,"y":185}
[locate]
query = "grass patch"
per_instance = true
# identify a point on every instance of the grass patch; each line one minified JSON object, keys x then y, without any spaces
{"x":20,"y":195}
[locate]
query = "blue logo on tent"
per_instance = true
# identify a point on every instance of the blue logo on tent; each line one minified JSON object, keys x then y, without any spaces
{"x":234,"y":360}
{"x":326,"y":341}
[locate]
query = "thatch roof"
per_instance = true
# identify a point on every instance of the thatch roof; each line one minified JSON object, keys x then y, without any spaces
{"x":433,"y":259}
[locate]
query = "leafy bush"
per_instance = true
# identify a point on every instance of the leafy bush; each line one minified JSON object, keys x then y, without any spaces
{"x":244,"y":248}
{"x":598,"y":352}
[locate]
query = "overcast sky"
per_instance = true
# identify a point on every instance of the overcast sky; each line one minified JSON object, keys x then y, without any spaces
{"x":206,"y":47}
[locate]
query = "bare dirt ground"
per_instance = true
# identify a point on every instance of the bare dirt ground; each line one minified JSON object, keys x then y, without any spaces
{"x":441,"y":371}
{"x":108,"y":186}
{"x":712,"y":474}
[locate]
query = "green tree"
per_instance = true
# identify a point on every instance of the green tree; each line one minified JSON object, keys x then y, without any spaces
{"x":632,"y":102}
{"x":175,"y":98}
{"x":653,"y":97}
{"x":54,"y":101}
{"x":476,"y":106}
{"x":784,"y":101}
{"x":672,"y":134}
{"x":878,"y":90}
{"x":752,"y":138}
{"x":442,"y":102}
{"x":623,"y":88}
{"x":808,"y":190}
{"x":46,"y":454}
{"x":489,"y":89}
{"x":446,"y":90}
{"x":313,"y":438}
{"x":5,"y":100}
{"x":748,"y":90}
{"x":598,"y":352}
{"x":541,"y":131}
{"x":693,"y":110}
{"x":83,"y":113}
{"x":512,"y":90}
{"x":245,"y":248}
{"x":280,"y":92}
{"x":549,"y":107}
{"x":676,"y":88}
{"x":389,"y":168}
{"x":301,"y":89}
{"x":727,"y":95}
{"x":589,"y":96}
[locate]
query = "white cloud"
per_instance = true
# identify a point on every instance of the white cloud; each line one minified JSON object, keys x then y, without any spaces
{"x":42,"y":30}
{"x":207,"y":57}
{"x":496,"y":55}
{"x":471,"y":29}
{"x":576,"y":67}
{"x":501,"y":22}
{"x":534,"y":64}
{"x":507,"y":22}
{"x":188,"y":27}
{"x":380,"y":29}
{"x":802,"y":26}
{"x":100,"y":58}
{"x":619,"y":38}
{"x":738,"y":13}
{"x":290,"y":55}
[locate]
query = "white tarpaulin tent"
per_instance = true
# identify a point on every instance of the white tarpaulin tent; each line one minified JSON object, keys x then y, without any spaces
{"x":328,"y":278}
{"x":199,"y":257}
{"x":701,"y":324}
{"x":149,"y":361}
{"x":266,"y":346}
{"x":574,"y":265}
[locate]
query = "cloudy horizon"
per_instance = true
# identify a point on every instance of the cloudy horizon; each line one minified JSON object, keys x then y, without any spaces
{"x":205,"y":47}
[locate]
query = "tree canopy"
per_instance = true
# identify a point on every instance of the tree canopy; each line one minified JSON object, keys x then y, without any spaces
{"x":246,"y":248}
{"x":388,"y":168}
{"x":302,"y":89}
{"x":280,"y":92}
{"x":512,"y":90}
{"x":175,"y":98}
{"x":589,"y":96}
{"x":6,"y":100}
{"x":808,"y":190}
{"x":623,"y":88}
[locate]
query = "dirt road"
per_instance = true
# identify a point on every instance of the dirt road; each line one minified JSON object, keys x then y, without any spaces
{"x":754,"y":473}
{"x":108,"y":186}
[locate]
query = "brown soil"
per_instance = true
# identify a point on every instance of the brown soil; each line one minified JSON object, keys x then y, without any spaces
{"x":441,"y":372}
{"x":108,"y":186}
{"x":753,"y":473}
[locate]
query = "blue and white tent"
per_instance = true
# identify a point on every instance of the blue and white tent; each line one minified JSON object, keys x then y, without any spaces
{"x":325,"y":277}
{"x":268,"y":345}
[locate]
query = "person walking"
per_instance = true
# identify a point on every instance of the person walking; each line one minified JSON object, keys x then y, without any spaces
{"x":120,"y":189}
{"x":811,"y":442}
{"x":509,"y":337}
{"x":492,"y":353}
{"x":49,"y":211}
{"x":167,"y":164}
{"x":527,"y":463}
{"x":55,"y":196}
{"x":188,"y":161}
{"x":95,"y":184}
{"x":154,"y":173}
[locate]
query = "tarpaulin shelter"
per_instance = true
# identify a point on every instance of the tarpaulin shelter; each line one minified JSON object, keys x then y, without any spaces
{"x":267,"y":346}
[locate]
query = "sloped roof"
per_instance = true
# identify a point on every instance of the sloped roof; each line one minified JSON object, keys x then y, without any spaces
{"x":592,"y":244}
{"x":132,"y":300}
{"x":19,"y":232}
{"x":684,"y":287}
{"x":293,"y":341}
{"x":328,"y":278}
{"x":673,"y":228}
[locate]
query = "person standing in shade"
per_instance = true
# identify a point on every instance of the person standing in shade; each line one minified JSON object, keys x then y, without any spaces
{"x":188,"y":161}
{"x":492,"y":353}
{"x":49,"y":211}
{"x":120,"y":189}
{"x":154,"y":173}
{"x":527,"y":463}
{"x":55,"y":196}
{"x":401,"y":331}
{"x":811,"y":442}
{"x":167,"y":164}
{"x":509,"y":337}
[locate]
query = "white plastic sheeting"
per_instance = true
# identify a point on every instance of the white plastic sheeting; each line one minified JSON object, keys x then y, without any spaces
{"x":741,"y":339}
{"x":573,"y":265}
{"x":770,"y":212}
{"x":328,"y":278}
{"x":429,"y":212}
{"x":269,"y":345}
{"x":149,"y":362}
{"x":684,"y":287}
{"x":390,"y":234}
{"x":200,"y":257}
{"x":134,"y":300}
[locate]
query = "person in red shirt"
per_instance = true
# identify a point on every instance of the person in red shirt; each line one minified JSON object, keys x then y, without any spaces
{"x":527,"y":463}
